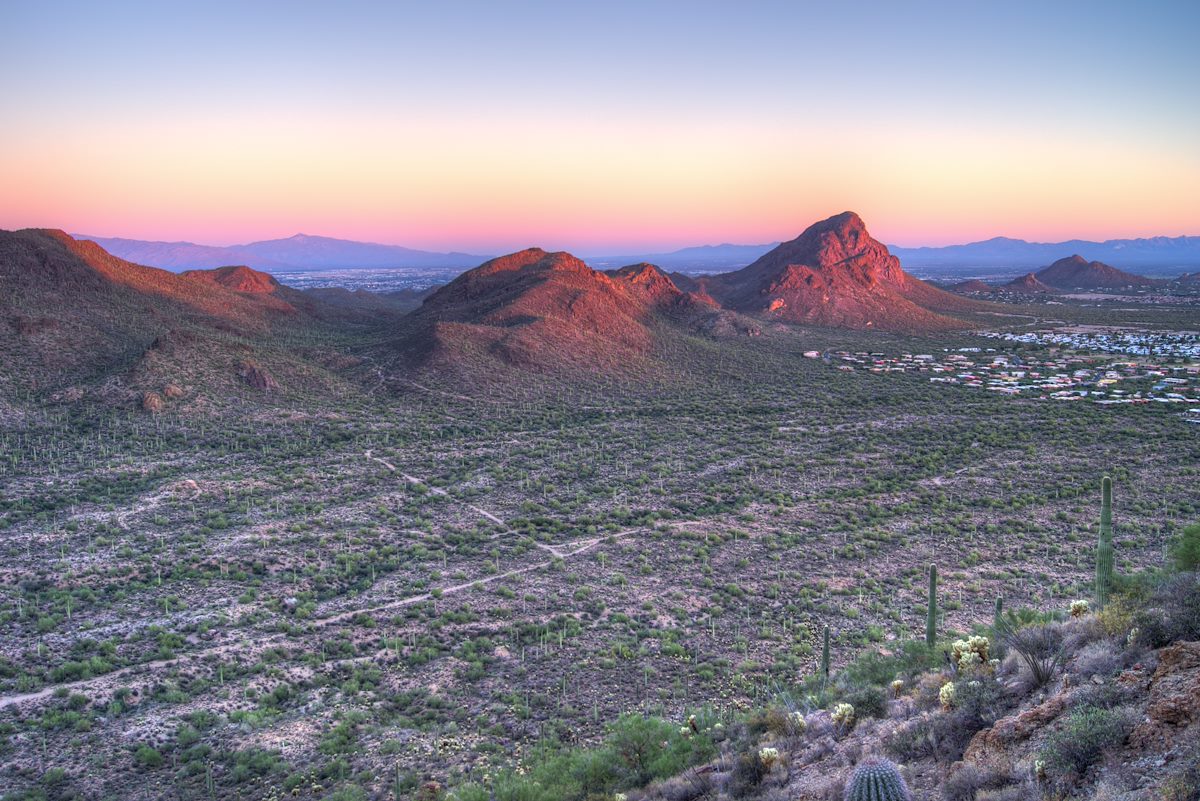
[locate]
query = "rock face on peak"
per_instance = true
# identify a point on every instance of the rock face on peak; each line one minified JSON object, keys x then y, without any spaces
{"x":1076,"y":272}
{"x":650,"y":283}
{"x":836,"y":274}
{"x":1029,"y":284}
{"x":539,"y":310}
{"x":238,"y":278}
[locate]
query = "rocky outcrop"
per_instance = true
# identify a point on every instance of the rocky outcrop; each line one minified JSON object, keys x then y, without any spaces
{"x":153,"y":402}
{"x":990,"y":743}
{"x":1174,"y":701}
{"x":257,"y":377}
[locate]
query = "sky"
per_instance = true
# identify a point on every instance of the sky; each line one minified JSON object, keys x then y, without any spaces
{"x":599,"y":127}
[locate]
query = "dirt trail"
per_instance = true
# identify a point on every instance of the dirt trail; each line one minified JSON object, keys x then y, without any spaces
{"x":564,"y":551}
{"x":435,"y":490}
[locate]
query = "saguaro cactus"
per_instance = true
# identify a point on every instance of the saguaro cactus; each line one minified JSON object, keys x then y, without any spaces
{"x":825,"y":655}
{"x":931,"y":615}
{"x":1104,"y":547}
{"x":997,"y":620}
{"x":876,"y":779}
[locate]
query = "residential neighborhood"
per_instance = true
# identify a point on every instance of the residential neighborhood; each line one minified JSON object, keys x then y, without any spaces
{"x":1070,"y":370}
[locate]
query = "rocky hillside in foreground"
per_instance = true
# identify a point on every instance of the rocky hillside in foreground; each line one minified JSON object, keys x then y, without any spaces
{"x":1076,"y":272}
{"x":1119,"y":724}
{"x":836,"y":274}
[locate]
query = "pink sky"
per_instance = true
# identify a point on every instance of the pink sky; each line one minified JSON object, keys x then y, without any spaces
{"x":636,"y":129}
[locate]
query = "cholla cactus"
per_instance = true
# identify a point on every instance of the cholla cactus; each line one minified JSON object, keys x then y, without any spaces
{"x":797,"y":721}
{"x":947,"y":695}
{"x":768,"y":757}
{"x":876,"y":779}
{"x":970,"y":654}
{"x":843,"y":716}
{"x":1079,"y":608}
{"x":897,"y":687}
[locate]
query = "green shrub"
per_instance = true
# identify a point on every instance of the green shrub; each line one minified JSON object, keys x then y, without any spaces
{"x":1086,"y":735}
{"x":147,"y":757}
{"x":868,"y":702}
{"x":54,"y":776}
{"x":1185,"y":549}
{"x":1172,"y":613}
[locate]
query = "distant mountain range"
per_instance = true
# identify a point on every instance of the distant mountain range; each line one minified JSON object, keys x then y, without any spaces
{"x":1163,"y":256}
{"x":700,"y":259}
{"x":299,"y":252}
{"x":1160,"y":255}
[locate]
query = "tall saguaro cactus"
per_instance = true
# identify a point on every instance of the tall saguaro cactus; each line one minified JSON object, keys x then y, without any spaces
{"x":931,"y":615}
{"x":1104,"y":547}
{"x":825,"y":656}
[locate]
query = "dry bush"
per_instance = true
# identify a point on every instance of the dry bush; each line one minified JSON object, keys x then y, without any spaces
{"x":1017,"y":792}
{"x":912,"y":741}
{"x":1104,"y":658}
{"x":1083,"y":632}
{"x":687,"y":786}
{"x":965,"y":783}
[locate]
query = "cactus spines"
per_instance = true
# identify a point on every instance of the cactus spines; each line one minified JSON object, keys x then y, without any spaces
{"x":825,"y":655}
{"x":876,"y":779}
{"x":1104,"y":548}
{"x":931,"y":614}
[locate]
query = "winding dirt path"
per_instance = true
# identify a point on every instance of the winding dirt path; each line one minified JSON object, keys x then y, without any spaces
{"x":436,"y":490}
{"x":564,"y":551}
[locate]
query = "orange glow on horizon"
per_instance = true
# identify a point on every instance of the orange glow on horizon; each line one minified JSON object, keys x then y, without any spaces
{"x":498,"y":184}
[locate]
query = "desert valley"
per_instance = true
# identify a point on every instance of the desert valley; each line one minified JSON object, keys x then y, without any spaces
{"x":623,"y":401}
{"x":262,"y":542}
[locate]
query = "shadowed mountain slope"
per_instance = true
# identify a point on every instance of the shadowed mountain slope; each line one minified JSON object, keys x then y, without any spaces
{"x":74,"y":317}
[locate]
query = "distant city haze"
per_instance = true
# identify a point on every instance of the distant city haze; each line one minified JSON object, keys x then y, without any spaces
{"x":613,"y":128}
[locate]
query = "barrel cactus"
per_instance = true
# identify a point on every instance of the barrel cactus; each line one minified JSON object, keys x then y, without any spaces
{"x":876,"y":779}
